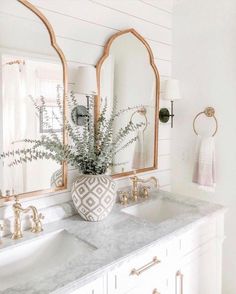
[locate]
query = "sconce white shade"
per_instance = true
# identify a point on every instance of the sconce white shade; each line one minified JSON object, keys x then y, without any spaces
{"x":86,"y":80}
{"x":171,"y":90}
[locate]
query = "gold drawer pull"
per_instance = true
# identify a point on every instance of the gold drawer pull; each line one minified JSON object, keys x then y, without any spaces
{"x":155,"y":292}
{"x":181,"y":277}
{"x":142,"y":269}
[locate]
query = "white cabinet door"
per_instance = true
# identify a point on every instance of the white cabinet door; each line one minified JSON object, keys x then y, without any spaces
{"x":197,"y":273}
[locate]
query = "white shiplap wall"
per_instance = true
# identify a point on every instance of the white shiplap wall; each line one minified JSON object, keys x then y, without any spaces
{"x":82,"y":28}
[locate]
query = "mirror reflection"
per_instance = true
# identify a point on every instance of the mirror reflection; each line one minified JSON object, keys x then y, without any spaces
{"x":126,"y":75}
{"x":31,"y":84}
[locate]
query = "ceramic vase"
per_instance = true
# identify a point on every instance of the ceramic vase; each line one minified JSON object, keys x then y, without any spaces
{"x":94,"y":196}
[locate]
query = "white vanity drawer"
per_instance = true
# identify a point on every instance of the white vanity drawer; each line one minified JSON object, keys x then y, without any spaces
{"x":196,"y":237}
{"x":156,"y":287}
{"x":173,"y":249}
{"x":142,"y":269}
{"x":95,"y":287}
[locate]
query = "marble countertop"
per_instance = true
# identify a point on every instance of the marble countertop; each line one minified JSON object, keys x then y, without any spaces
{"x":117,"y":237}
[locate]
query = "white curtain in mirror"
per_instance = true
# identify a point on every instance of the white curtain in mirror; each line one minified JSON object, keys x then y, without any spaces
{"x":22,"y":84}
{"x":25,"y":37}
{"x":14,"y":115}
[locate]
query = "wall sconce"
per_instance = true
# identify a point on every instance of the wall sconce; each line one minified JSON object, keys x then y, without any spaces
{"x":86,"y":84}
{"x":171,"y":93}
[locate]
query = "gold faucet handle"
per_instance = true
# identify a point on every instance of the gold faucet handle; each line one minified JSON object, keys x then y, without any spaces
{"x":41,"y":216}
{"x":133,"y":178}
{"x":16,"y":197}
{"x":37,"y":224}
{"x":157,"y":184}
{"x":145,"y":190}
{"x":1,"y":231}
{"x":124,"y":197}
{"x":1,"y":227}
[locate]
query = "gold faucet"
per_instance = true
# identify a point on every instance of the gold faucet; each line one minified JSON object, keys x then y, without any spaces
{"x":135,"y":180}
{"x":36,"y":219}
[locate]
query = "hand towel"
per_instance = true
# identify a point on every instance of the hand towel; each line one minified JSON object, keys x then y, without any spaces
{"x":204,"y":174}
{"x":139,"y":156}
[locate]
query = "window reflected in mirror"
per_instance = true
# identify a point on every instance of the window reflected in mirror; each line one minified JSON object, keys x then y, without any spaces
{"x":32,"y":88}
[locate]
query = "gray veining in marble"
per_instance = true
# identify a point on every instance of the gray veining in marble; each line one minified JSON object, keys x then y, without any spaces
{"x":117,"y":237}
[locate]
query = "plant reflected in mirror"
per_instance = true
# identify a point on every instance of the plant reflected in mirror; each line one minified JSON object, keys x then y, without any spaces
{"x":91,"y":148}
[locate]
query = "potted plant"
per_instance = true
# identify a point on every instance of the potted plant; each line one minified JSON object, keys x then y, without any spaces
{"x":90,"y":149}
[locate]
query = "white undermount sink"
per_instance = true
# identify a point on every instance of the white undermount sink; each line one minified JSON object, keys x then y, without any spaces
{"x":37,"y":256}
{"x":157,"y":210}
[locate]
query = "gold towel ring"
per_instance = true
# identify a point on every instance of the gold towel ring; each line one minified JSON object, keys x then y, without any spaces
{"x":209,"y":112}
{"x":141,"y":111}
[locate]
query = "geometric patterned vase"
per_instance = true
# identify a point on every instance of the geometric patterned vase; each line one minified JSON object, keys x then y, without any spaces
{"x":57,"y":179}
{"x":94,"y":196}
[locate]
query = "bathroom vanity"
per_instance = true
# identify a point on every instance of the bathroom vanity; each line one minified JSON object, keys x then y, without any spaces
{"x":166,"y":244}
{"x":175,"y":250}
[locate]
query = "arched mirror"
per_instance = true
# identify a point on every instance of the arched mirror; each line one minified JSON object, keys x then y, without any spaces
{"x":127,"y":76}
{"x":33,"y":82}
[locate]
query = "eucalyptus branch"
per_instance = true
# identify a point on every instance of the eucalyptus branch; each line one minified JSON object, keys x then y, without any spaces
{"x":91,"y":148}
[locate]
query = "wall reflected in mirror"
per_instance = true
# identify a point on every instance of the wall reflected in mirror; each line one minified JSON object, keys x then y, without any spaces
{"x":125,"y":74}
{"x":31,"y":82}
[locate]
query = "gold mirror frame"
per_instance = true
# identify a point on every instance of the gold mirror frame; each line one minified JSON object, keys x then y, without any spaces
{"x":54,"y":44}
{"x":98,"y":98}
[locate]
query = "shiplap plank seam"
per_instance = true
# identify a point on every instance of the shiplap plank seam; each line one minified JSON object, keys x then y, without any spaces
{"x":163,"y":72}
{"x":165,"y":186}
{"x":101,"y":46}
{"x":155,"y":6}
{"x":139,"y":9}
{"x":131,"y":15}
{"x":164,"y":170}
{"x":81,"y":63}
{"x":100,"y":25}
